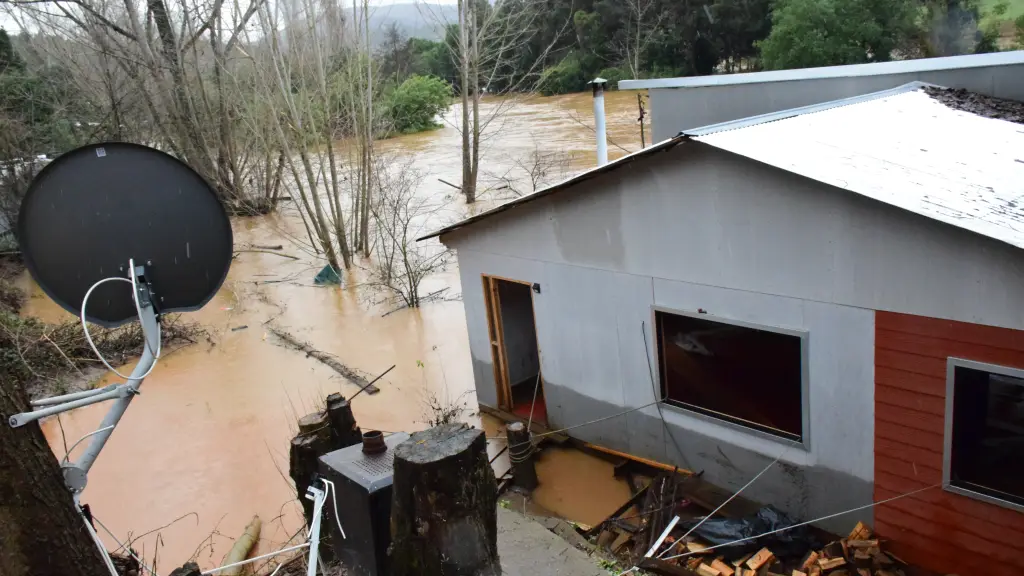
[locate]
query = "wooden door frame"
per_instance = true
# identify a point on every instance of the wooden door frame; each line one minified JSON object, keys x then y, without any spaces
{"x":496,"y":337}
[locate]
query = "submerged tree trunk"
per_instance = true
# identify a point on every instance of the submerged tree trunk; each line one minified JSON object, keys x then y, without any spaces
{"x":41,"y":532}
{"x":443,"y":509}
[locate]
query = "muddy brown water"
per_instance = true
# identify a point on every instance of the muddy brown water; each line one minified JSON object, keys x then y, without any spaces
{"x":204,"y":447}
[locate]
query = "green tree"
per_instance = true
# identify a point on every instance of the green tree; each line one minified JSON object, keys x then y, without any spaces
{"x":417,"y":101}
{"x":1019,"y":32}
{"x":10,"y":60}
{"x":954,"y":27}
{"x":809,"y":33}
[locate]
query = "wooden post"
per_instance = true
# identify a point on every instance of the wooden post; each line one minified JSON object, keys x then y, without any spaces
{"x":520,"y":453}
{"x":444,"y":500}
{"x":344,"y":430}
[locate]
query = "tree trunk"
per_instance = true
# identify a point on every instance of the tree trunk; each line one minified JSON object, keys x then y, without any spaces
{"x":41,"y":532}
{"x":443,"y":509}
{"x":468,"y":182}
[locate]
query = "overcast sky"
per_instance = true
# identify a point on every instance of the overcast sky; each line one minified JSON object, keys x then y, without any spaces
{"x":11,"y":25}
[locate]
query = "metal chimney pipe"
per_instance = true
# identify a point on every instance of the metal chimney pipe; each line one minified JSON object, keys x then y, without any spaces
{"x":599,"y":128}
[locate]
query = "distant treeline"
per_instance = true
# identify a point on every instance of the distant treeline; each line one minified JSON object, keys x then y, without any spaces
{"x":577,"y":40}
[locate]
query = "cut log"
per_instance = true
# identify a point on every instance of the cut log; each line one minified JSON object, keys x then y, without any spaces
{"x":705,"y":570}
{"x":810,"y":560}
{"x":859,"y":532}
{"x":696,"y":548}
{"x":444,"y":505}
{"x":830,"y":563}
{"x":762,"y":557}
{"x":723,"y":568}
{"x":240,"y":550}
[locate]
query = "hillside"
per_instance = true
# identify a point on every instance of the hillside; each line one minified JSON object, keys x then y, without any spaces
{"x":414,"y":20}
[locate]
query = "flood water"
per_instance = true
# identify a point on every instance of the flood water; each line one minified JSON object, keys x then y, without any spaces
{"x":205,"y":446}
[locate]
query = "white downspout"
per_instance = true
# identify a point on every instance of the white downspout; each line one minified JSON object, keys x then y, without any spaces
{"x":599,"y":128}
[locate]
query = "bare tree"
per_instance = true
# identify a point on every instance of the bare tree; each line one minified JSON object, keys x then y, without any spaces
{"x":400,"y":216}
{"x":489,"y":36}
{"x":169,"y":60}
{"x":643,"y":20}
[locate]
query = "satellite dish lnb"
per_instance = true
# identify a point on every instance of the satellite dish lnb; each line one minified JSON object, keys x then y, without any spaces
{"x":94,"y":209}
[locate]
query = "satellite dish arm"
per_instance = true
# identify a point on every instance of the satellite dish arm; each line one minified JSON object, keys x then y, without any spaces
{"x":151,"y":333}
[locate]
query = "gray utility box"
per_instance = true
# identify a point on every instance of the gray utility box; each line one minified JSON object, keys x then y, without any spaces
{"x":363,"y":484}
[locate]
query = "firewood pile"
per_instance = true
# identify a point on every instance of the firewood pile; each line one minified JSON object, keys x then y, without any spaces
{"x":859,"y":554}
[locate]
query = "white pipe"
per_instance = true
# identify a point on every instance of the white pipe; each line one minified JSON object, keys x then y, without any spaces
{"x":599,"y":126}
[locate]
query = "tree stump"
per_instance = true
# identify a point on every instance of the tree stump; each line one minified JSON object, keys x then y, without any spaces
{"x":344,"y":430}
{"x":443,"y":510}
{"x":520,"y":453}
{"x":312,"y":442}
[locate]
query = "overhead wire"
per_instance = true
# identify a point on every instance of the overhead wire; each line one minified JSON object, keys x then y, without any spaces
{"x":830,"y":516}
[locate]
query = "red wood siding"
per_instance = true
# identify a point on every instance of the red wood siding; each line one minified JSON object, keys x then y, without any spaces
{"x":935,"y":529}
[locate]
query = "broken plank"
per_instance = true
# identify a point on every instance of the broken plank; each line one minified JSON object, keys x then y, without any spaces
{"x":621,"y":541}
{"x":862,"y":543}
{"x":742,"y":560}
{"x":798,"y":573}
{"x":760,"y":559}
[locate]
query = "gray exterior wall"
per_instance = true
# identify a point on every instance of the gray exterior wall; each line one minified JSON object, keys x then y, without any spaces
{"x":699,"y":228}
{"x":676,"y":109}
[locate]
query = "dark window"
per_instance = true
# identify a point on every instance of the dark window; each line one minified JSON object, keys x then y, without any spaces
{"x":986,"y":444}
{"x":749,"y":376}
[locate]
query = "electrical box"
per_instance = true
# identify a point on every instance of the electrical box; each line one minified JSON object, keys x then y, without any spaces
{"x":363,"y":485}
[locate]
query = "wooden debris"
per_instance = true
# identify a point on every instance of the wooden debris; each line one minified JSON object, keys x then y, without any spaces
{"x":798,"y":573}
{"x":696,"y":548}
{"x":741,"y":560}
{"x":723,"y":568}
{"x":862,"y":543}
{"x":863,"y":572}
{"x":706,"y":570}
{"x":760,"y":559}
{"x":810,"y":560}
{"x":830,"y":563}
{"x":859,"y":532}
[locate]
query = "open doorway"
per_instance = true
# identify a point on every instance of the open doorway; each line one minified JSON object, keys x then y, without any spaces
{"x":514,"y":351}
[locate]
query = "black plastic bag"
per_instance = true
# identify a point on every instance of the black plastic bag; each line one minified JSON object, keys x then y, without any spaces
{"x":785,"y":544}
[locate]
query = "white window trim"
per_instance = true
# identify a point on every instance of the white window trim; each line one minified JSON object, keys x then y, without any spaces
{"x":947,"y":451}
{"x":805,"y":401}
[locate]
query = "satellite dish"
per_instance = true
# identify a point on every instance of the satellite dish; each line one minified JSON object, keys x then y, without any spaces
{"x":92,"y":210}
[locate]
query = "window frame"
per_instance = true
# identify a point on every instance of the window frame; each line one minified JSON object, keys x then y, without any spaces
{"x":952,"y":363}
{"x":706,"y":415}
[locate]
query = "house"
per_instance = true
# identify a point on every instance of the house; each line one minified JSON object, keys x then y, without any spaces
{"x":679,"y":104}
{"x":839,"y":287}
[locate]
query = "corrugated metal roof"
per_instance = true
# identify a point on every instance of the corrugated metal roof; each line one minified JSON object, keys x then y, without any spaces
{"x":849,"y":71}
{"x":898,"y":146}
{"x":905,"y":149}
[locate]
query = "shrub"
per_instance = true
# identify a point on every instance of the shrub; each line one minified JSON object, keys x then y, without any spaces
{"x":415,"y":104}
{"x":613,"y":75}
{"x":563,"y":78}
